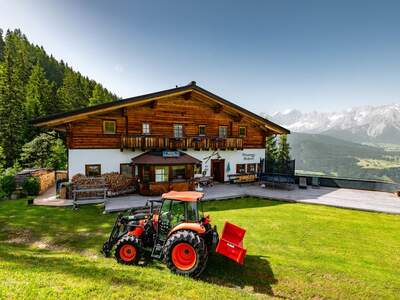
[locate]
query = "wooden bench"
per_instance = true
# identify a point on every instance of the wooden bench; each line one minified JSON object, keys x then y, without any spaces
{"x":242,"y":178}
{"x":89,"y":193}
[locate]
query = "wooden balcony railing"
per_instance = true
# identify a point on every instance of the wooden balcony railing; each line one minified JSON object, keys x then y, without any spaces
{"x":148,"y":142}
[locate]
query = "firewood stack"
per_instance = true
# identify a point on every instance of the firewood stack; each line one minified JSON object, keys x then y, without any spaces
{"x":118,"y":183}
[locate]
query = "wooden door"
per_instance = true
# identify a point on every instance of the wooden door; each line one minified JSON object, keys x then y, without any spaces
{"x":218,"y":169}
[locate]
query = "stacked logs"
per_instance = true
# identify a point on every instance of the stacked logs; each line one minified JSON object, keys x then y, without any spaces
{"x":115,"y":183}
{"x":118,"y":183}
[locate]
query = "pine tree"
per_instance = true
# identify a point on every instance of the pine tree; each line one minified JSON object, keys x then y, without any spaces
{"x":1,"y":45}
{"x":12,"y":116}
{"x":271,"y":149}
{"x":100,"y":95}
{"x":70,"y":94}
{"x":39,"y":99}
{"x":44,"y":151}
{"x":284,"y":149}
{"x":38,"y":94}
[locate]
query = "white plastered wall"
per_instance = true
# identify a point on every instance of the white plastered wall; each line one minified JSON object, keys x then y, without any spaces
{"x":110,"y":159}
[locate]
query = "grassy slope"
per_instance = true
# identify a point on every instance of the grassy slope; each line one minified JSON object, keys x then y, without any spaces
{"x":294,"y":251}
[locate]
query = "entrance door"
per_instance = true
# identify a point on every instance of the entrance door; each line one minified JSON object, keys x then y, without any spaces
{"x":218,"y":169}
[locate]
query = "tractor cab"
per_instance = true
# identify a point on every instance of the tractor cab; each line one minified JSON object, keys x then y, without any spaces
{"x":179,"y":210}
{"x":176,"y":210}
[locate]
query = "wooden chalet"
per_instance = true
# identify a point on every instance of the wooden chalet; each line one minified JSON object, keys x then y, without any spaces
{"x":164,"y":139}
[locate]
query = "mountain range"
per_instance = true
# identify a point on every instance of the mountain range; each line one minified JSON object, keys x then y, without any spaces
{"x":361,"y":142}
{"x":365,"y":124}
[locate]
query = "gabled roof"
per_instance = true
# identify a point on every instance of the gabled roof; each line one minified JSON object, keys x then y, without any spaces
{"x":66,"y":117}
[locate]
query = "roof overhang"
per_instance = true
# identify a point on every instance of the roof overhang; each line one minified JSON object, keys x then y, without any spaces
{"x":57,"y":121}
{"x":158,"y":158}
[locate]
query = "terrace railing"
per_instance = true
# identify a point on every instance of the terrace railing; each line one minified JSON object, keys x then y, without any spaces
{"x":149,"y":142}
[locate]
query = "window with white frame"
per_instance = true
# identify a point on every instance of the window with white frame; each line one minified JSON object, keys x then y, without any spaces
{"x":145,"y":128}
{"x":178,"y":130}
{"x":223,"y":131}
{"x":161,"y":173}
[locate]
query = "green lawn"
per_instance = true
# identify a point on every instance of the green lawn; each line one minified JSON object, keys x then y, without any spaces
{"x":294,"y":251}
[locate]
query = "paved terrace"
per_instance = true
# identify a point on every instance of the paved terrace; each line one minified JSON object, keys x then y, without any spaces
{"x":344,"y":198}
{"x":338,"y":197}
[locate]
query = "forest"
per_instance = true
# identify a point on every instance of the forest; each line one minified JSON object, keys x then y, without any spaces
{"x":34,"y":84}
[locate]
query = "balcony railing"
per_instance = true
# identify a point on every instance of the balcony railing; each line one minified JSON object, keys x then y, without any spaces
{"x":148,"y":142}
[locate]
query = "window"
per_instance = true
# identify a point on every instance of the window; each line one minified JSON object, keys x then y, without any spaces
{"x":146,"y":173}
{"x":93,"y":170}
{"x":177,"y":212}
{"x":164,"y":218}
{"x":251,"y":168}
{"x":192,"y":213}
{"x":202,"y":129}
{"x":240,"y":168}
{"x":223,"y":131}
{"x":126,"y":169}
{"x":178,"y":172}
{"x":178,"y":130}
{"x":145,"y":128}
{"x":161,"y":174}
{"x":197,"y":169}
{"x":109,"y":127}
{"x":242,"y":131}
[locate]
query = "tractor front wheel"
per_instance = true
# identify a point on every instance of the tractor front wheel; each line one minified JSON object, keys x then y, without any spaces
{"x":128,"y":250}
{"x":185,"y":253}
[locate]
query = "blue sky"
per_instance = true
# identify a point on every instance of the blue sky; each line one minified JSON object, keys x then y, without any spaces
{"x":264,"y":55}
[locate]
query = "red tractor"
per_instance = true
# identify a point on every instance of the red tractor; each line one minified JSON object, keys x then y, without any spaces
{"x":176,"y":232}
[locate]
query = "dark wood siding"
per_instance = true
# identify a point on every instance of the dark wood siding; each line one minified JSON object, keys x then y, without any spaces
{"x":161,"y":115}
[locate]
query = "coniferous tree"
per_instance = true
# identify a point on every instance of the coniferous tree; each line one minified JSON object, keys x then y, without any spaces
{"x":38,"y":94}
{"x":33,"y":84}
{"x":70,"y":94}
{"x":12,"y":116}
{"x":44,"y":151}
{"x":284,"y":149}
{"x":271,"y":149}
{"x":100,"y":95}
{"x":39,"y":99}
{"x":2,"y":44}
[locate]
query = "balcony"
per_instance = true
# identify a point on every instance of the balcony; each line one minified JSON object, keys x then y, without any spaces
{"x":149,"y":142}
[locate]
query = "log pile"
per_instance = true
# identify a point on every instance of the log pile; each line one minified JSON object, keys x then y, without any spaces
{"x":46,"y":180}
{"x":118,"y":183}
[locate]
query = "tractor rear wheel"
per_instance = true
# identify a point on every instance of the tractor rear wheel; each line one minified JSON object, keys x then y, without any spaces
{"x":185,"y":253}
{"x":128,"y":250}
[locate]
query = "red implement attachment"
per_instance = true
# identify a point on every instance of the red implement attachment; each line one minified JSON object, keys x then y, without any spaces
{"x":231,"y":243}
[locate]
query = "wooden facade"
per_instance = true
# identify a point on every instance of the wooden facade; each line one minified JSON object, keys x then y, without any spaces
{"x":161,"y":116}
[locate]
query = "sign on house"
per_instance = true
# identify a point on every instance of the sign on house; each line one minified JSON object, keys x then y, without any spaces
{"x":170,"y":153}
{"x":248,"y":156}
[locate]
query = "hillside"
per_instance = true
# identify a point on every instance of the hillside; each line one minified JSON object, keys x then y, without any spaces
{"x":326,"y":155}
{"x":33,"y":84}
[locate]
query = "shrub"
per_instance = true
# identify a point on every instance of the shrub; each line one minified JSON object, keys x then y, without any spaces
{"x":31,"y":186}
{"x":8,"y":184}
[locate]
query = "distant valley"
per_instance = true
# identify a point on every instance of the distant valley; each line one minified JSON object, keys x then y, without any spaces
{"x":362,"y":142}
